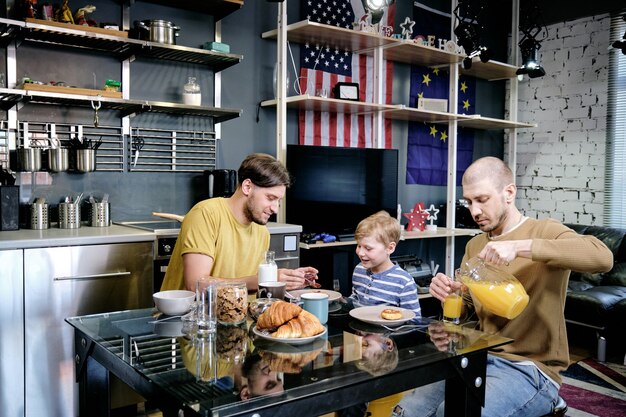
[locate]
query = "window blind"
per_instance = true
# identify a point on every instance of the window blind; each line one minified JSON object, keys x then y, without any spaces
{"x":615,"y":205}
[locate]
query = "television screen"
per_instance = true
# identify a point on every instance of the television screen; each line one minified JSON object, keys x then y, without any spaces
{"x":335,"y":188}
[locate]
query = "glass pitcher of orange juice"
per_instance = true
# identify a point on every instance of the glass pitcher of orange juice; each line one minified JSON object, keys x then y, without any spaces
{"x":496,"y":290}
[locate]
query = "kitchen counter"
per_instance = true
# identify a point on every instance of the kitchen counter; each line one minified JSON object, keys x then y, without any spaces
{"x":85,"y":235}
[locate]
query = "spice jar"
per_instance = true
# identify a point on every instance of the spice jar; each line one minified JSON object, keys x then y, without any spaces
{"x":232,"y":303}
{"x":495,"y":290}
{"x":191,"y":92}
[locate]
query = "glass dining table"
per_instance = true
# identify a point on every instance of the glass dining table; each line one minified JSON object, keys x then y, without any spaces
{"x":239,"y":371}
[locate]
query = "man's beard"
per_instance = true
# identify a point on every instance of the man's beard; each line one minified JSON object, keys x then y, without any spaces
{"x":249,"y":213}
{"x":489,"y":229}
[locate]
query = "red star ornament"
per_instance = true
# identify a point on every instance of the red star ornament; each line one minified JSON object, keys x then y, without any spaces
{"x":417,"y":217}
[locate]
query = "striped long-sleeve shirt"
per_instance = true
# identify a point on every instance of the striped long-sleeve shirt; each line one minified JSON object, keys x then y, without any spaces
{"x":394,"y":287}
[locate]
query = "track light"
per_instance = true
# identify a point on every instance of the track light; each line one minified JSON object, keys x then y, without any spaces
{"x":530,"y":66}
{"x":376,"y":8}
{"x":621,"y":44}
{"x":529,"y":44}
{"x":468,"y":31}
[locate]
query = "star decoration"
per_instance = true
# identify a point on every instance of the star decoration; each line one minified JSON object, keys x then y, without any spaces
{"x":426,"y":79}
{"x":416,"y":217}
{"x":463,"y":86}
{"x":466,"y":104}
{"x":436,"y":71}
{"x":407,"y":27}
{"x":444,"y":136}
{"x":433,"y":131}
{"x":420,"y":95}
{"x":432,"y":213}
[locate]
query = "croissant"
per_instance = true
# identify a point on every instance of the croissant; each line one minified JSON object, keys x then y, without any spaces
{"x":304,"y":325}
{"x":279,"y":313}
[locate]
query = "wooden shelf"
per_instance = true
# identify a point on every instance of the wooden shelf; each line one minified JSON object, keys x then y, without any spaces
{"x":394,"y":111}
{"x":412,"y":53}
{"x":313,"y":103}
{"x":71,"y":90}
{"x":397,"y":50}
{"x":441,"y":232}
{"x":488,"y":123}
{"x":411,"y":114}
{"x":492,"y":70}
{"x":342,"y":38}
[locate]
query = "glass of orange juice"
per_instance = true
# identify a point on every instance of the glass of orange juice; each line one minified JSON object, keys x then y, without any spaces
{"x":453,"y":305}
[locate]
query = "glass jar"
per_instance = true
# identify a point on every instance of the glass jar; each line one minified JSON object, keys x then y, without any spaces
{"x":191,"y":92}
{"x":268,"y":270}
{"x":496,"y":290}
{"x":232,"y":303}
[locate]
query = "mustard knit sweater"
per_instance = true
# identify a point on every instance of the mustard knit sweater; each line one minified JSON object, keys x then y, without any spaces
{"x":539,"y":331}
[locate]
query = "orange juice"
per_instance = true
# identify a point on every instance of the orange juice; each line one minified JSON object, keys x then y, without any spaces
{"x":506,"y":299}
{"x":452,"y":306}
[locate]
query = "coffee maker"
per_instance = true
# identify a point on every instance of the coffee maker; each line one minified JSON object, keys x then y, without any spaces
{"x":220,"y":182}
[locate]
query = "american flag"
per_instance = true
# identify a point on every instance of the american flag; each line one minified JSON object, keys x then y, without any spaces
{"x":322,"y":66}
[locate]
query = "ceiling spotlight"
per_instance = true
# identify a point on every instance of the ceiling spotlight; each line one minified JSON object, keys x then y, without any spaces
{"x":530,"y":66}
{"x":621,"y":44}
{"x":376,"y":8}
{"x":529,"y":44}
{"x":467,"y":33}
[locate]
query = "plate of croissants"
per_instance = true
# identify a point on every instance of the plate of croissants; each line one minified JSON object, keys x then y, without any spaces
{"x":285,"y":322}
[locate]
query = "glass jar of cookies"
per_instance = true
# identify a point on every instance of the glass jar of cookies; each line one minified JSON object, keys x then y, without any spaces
{"x":232,"y":303}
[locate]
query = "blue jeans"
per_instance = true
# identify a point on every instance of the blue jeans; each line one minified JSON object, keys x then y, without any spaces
{"x":512,"y":390}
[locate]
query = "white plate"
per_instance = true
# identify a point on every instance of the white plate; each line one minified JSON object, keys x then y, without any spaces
{"x":371,"y":314}
{"x":290,"y":341}
{"x":332,"y":295}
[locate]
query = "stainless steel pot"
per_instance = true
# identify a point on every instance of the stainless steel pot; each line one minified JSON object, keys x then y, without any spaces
{"x":157,"y":30}
{"x":58,"y":159}
{"x":29,"y":159}
{"x":85,"y":160}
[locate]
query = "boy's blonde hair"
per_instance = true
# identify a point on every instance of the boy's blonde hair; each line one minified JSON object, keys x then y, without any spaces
{"x":381,"y":226}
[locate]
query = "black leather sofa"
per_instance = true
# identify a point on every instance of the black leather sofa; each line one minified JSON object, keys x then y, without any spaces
{"x":598,"y":301}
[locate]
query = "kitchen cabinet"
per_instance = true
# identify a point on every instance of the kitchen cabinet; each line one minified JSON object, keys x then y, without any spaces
{"x":402,"y":51}
{"x":12,"y":332}
{"x":60,"y":282}
{"x":126,"y":50}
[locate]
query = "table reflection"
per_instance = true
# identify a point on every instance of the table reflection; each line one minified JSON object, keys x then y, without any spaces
{"x":234,"y":365}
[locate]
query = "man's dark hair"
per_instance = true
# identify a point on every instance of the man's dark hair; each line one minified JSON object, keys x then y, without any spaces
{"x":264,"y":171}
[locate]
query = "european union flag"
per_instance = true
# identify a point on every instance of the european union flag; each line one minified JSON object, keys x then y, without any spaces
{"x":427,"y":157}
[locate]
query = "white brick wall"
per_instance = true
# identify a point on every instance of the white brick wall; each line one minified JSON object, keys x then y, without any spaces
{"x":560,"y":164}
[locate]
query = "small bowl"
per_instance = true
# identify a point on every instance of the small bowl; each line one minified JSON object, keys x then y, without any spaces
{"x":259,"y":305}
{"x":174,"y":302}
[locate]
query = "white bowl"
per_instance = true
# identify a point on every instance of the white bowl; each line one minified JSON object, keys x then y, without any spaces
{"x":174,"y":302}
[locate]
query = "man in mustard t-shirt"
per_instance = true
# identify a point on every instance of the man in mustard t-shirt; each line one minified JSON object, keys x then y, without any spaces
{"x":226,"y":238}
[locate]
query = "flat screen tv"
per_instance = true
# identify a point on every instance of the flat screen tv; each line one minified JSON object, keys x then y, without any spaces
{"x":335,"y":188}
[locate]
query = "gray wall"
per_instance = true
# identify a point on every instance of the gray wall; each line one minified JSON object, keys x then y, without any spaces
{"x":135,"y":195}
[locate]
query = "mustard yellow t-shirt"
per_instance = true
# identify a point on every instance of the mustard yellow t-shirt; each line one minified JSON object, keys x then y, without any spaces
{"x":211,"y":229}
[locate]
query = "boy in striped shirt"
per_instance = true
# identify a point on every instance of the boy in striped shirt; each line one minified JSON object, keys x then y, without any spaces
{"x":376,"y":279}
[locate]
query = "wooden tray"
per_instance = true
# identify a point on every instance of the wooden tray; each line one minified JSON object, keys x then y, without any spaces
{"x":71,"y":90}
{"x":119,"y":33}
